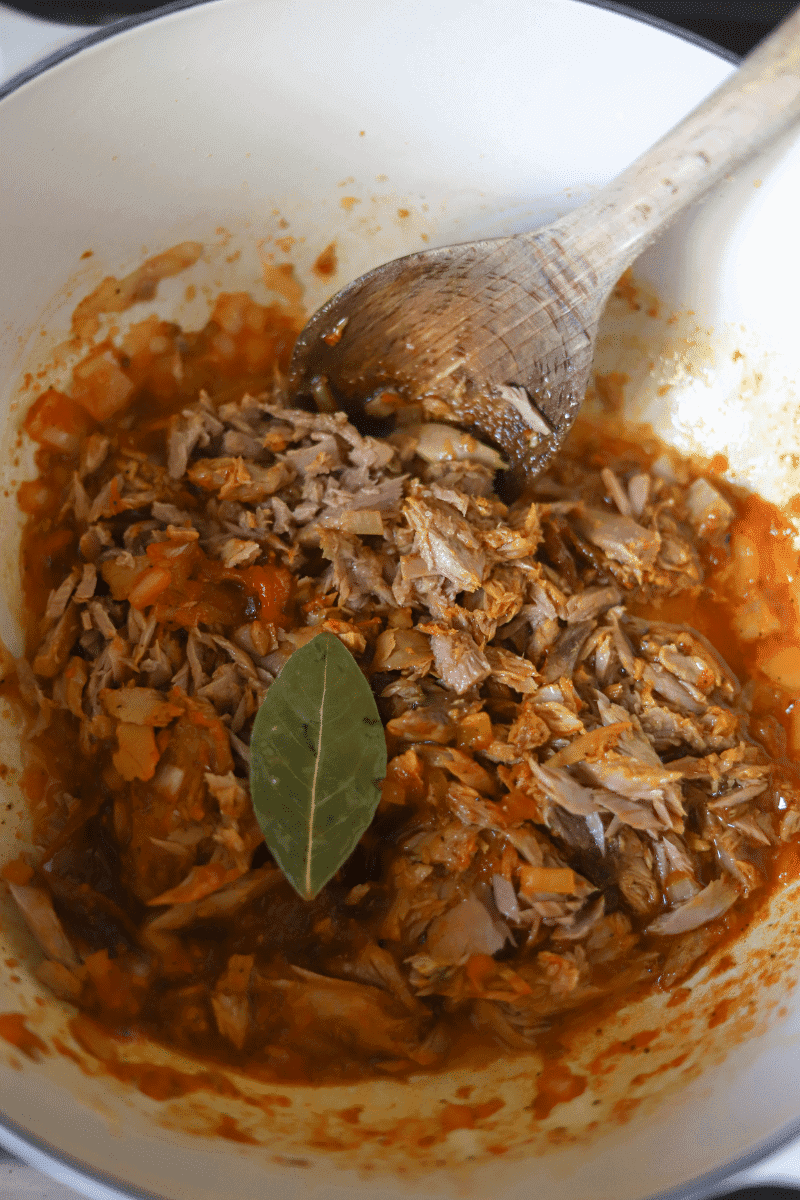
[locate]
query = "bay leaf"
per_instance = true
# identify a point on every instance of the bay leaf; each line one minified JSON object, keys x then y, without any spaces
{"x":318,"y":756}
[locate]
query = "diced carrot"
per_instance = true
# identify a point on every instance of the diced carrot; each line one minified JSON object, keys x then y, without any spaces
{"x":34,"y":497}
{"x":480,"y":970}
{"x":144,"y":338}
{"x":18,"y":872}
{"x":137,"y":756}
{"x":100,"y":385}
{"x":152,"y":358}
{"x":56,"y":421}
{"x":392,"y":792}
{"x":121,"y":576}
{"x":474,"y":732}
{"x":518,"y":806}
{"x":558,"y":881}
{"x":405,"y":779}
{"x":149,"y":587}
{"x":783,"y":667}
{"x":493,"y":980}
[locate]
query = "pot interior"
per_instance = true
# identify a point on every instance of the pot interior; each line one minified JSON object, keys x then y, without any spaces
{"x":268,"y":132}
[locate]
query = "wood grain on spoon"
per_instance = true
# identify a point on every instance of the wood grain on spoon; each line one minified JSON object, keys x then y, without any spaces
{"x":498,"y":335}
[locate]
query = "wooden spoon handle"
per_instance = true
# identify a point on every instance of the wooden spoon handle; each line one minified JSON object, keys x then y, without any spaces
{"x":752,"y":107}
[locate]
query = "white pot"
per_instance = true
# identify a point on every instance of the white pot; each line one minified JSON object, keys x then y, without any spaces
{"x":239,"y":122}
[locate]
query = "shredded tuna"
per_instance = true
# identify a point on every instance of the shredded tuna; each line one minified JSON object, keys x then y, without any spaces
{"x":707,"y":905}
{"x":569,"y":782}
{"x":36,"y":907}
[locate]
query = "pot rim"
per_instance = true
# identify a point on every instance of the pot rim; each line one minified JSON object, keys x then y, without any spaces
{"x":154,"y":14}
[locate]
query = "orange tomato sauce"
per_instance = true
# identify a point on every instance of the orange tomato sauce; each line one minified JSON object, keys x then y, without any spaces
{"x":751,"y":579}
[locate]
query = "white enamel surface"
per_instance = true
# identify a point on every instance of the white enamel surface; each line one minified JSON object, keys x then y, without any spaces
{"x":221,"y":122}
{"x":25,"y":39}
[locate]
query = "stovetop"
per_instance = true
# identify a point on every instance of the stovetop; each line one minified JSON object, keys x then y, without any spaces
{"x":23,"y":40}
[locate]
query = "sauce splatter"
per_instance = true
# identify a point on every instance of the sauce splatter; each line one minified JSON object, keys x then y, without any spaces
{"x":557,"y":1084}
{"x":228,"y":1128}
{"x":14,"y":1031}
{"x":720,"y":1013}
{"x":466,"y":1116}
{"x":155,"y":1080}
{"x":327,"y":263}
{"x":352,"y":1115}
{"x":672,"y":1065}
{"x":640,"y":1041}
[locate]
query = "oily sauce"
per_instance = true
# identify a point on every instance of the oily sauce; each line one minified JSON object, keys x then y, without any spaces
{"x":748,"y":587}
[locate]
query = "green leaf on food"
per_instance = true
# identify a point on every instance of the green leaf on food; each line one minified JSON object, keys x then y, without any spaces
{"x":318,"y":755}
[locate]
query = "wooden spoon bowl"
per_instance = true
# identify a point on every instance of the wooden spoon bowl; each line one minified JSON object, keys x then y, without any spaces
{"x":498,"y":335}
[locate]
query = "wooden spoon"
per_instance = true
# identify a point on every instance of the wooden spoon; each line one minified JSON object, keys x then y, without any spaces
{"x":498,"y":335}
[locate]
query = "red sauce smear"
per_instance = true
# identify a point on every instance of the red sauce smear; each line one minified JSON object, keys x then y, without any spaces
{"x":466,"y":1116}
{"x":227,"y":1127}
{"x":720,"y":1013}
{"x":672,"y":1065}
{"x":14,"y":1031}
{"x":236,"y":351}
{"x":153,"y":1080}
{"x":326,"y":263}
{"x":556,"y":1085}
{"x":640,"y":1041}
